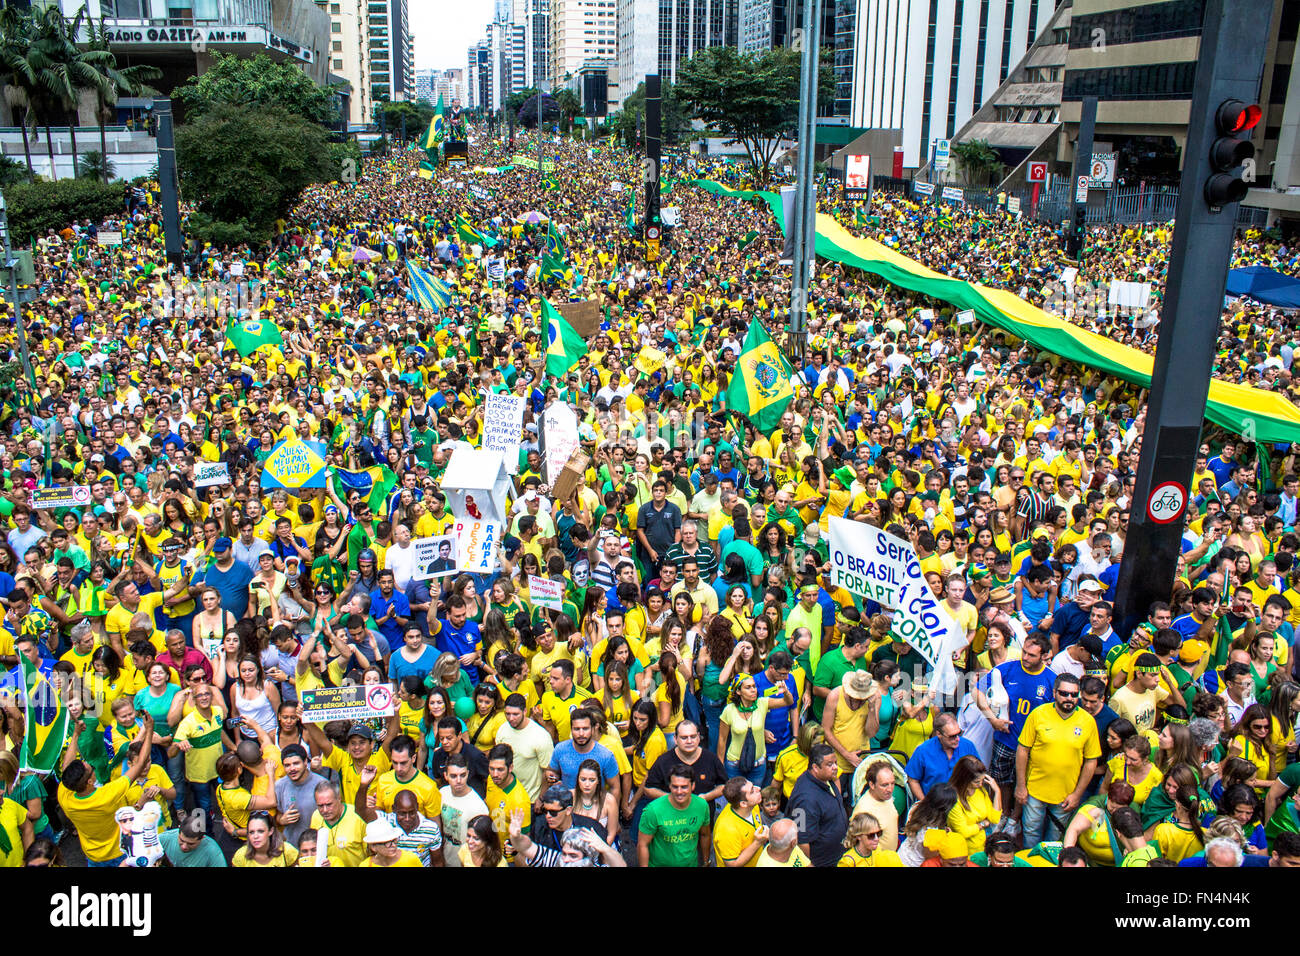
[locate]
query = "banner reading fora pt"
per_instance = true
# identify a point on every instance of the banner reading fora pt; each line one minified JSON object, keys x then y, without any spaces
{"x":882,"y":568}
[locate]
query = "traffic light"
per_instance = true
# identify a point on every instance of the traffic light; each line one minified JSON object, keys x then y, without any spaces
{"x":1230,"y":151}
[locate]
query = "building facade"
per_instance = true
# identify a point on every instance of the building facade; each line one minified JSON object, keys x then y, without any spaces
{"x":581,"y":31}
{"x":659,"y":36}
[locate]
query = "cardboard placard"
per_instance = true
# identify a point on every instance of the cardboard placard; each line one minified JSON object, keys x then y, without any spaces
{"x":503,"y":420}
{"x":571,"y":476}
{"x":583,"y":316}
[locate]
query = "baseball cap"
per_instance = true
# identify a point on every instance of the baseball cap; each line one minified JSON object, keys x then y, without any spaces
{"x":361,"y":730}
{"x":221,"y":546}
{"x":1092,"y":586}
{"x":96,"y":457}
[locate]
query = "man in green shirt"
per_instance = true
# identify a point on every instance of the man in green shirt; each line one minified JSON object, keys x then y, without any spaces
{"x":838,"y":661}
{"x":675,"y":828}
{"x":362,"y":534}
{"x":808,"y":613}
{"x":190,"y":846}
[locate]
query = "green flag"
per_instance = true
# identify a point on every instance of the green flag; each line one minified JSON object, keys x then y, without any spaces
{"x":760,"y":386}
{"x":749,"y":237}
{"x":564,"y":346}
{"x":46,"y":720}
{"x":248,"y":336}
{"x":554,"y":241}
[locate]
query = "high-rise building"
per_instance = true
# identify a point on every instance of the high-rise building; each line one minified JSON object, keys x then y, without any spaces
{"x":659,"y":36}
{"x":389,"y":50}
{"x":424,"y":80}
{"x":581,"y":31}
{"x":349,"y":53}
{"x":926,"y":66}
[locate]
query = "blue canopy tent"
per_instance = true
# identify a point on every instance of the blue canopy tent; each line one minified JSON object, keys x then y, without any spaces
{"x":1265,"y":285}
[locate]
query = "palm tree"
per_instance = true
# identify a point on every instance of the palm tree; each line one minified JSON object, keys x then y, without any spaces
{"x":569,"y":104}
{"x":95,"y":165}
{"x":16,"y":74}
{"x":62,"y":72}
{"x":128,"y":80}
{"x":977,"y":158}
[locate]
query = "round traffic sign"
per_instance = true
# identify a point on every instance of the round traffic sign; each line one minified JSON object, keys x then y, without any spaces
{"x":652,"y":232}
{"x":1167,"y":502}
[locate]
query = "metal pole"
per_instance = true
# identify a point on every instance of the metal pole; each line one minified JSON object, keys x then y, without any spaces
{"x":173,"y":242}
{"x":1082,"y":168}
{"x":653,"y":150}
{"x":11,"y":268}
{"x":1231,"y":62}
{"x":805,"y":200}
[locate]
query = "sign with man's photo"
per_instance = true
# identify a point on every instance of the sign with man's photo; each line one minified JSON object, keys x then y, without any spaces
{"x":434,"y":557}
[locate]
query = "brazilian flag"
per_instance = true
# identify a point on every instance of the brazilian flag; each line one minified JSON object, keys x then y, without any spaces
{"x":248,"y":336}
{"x":564,"y":346}
{"x":47,"y":721}
{"x":760,"y":387}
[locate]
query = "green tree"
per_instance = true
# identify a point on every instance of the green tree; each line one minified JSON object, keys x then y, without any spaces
{"x":245,"y":168}
{"x":260,"y":83}
{"x":570,"y":106}
{"x":749,"y":99}
{"x":120,"y":80}
{"x":37,"y":207}
{"x":417,"y":115}
{"x":16,"y":74}
{"x":977,"y":159}
{"x":515,"y":100}
{"x":95,"y":165}
{"x":674,"y":115}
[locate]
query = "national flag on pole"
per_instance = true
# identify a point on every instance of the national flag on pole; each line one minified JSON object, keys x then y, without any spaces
{"x":760,"y":387}
{"x":248,"y":336}
{"x":425,"y":170}
{"x":564,"y":346}
{"x":434,"y":135}
{"x":631,"y":214}
{"x":554,"y":241}
{"x":553,"y":266}
{"x":47,"y":721}
{"x":467,"y":232}
{"x":430,"y":291}
{"x":748,"y":238}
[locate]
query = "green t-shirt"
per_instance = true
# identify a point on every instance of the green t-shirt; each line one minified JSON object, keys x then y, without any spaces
{"x":982,"y":859}
{"x":830,"y":672}
{"x":1141,"y":856}
{"x":674,"y":833}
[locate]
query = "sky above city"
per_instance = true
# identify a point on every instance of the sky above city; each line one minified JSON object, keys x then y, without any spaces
{"x":444,"y":30}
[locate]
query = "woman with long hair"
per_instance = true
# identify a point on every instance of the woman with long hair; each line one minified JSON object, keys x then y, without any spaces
{"x":1283,"y":705}
{"x":265,"y":846}
{"x":1176,"y":746}
{"x":618,"y":651}
{"x":592,"y":619}
{"x":979,"y":805}
{"x":716,"y":650}
{"x":593,"y":798}
{"x":1180,"y":835}
{"x":931,"y":813}
{"x":451,"y":677}
{"x":1250,"y":740}
{"x":253,"y":697}
{"x":670,"y":696}
{"x":475,"y":606}
{"x":616,"y":696}
{"x":288,"y":726}
{"x":1262,"y":664}
{"x":497,"y":636}
{"x":646,"y":743}
{"x":482,"y":847}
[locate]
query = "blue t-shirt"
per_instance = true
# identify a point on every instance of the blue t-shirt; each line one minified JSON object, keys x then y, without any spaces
{"x":1186,"y":625}
{"x":399,"y":666}
{"x":1025,"y":692}
{"x":1033,"y":608}
{"x":1109,"y":577}
{"x":778,"y":714}
{"x":232,"y":584}
{"x":459,"y":641}
{"x":391,"y":630}
{"x":566,"y":760}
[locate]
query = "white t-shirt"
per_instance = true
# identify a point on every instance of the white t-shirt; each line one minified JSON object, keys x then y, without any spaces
{"x":401,"y":561}
{"x":456,"y":814}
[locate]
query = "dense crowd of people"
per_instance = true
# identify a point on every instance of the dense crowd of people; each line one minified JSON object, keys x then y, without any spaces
{"x":706,"y":695}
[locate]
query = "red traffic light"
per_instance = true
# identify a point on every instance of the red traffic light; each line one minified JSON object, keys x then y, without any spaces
{"x":1236,"y":116}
